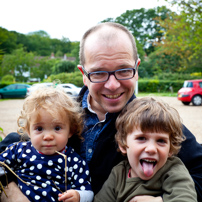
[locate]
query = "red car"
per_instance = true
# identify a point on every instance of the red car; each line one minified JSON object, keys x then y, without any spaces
{"x":191,"y":92}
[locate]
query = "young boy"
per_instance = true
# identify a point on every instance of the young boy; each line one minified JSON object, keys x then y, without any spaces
{"x":149,"y":133}
{"x":48,"y":170}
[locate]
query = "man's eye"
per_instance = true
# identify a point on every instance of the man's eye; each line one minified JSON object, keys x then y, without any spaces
{"x":57,"y":128}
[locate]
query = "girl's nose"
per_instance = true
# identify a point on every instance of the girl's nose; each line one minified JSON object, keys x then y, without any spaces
{"x":48,"y":136}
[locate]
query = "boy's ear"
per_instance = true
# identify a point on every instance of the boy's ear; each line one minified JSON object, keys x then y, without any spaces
{"x":122,"y":149}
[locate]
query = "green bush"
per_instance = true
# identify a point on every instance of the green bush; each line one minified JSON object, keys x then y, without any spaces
{"x":8,"y":78}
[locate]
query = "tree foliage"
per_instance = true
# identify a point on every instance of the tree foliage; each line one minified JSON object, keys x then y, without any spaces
{"x":183,"y":34}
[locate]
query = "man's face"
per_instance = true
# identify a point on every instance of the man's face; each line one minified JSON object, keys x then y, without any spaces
{"x":112,"y":95}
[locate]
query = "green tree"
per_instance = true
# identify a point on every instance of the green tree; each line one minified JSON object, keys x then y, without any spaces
{"x":182,"y":34}
{"x":17,"y":63}
{"x":63,"y":66}
{"x":144,"y":25}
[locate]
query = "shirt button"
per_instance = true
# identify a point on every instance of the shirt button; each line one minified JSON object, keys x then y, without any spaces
{"x":90,"y":150}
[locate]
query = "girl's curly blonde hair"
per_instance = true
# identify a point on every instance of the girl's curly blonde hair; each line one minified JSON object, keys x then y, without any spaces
{"x":56,"y":102}
{"x":150,"y":115}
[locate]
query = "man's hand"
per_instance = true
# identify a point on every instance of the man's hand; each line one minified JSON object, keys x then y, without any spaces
{"x":145,"y":198}
{"x":69,"y":196}
{"x":14,"y":194}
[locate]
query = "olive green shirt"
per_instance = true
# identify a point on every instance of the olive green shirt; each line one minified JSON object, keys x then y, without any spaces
{"x":173,"y":182}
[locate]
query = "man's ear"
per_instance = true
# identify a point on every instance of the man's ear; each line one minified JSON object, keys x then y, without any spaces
{"x":80,"y":68}
{"x":84,"y":77}
{"x":138,"y":62}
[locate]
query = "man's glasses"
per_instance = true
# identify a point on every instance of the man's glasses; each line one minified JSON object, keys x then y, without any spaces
{"x":103,"y":76}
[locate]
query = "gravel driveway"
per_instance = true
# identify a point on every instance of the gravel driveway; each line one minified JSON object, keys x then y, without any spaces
{"x":191,"y":115}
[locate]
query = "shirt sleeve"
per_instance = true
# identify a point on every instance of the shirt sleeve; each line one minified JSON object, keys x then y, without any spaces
{"x":86,"y":196}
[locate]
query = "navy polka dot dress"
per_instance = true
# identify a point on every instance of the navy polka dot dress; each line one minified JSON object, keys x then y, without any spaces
{"x":45,"y":174}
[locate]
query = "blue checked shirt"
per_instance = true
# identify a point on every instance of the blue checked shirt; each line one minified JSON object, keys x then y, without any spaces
{"x":93,"y":128}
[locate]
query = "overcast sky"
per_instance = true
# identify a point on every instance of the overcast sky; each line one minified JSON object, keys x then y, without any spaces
{"x":64,"y":18}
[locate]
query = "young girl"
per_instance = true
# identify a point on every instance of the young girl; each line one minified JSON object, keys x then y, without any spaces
{"x":49,"y":170}
{"x":149,"y":133}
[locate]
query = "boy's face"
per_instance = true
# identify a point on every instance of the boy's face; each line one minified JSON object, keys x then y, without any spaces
{"x":48,"y":134}
{"x":146,"y":152}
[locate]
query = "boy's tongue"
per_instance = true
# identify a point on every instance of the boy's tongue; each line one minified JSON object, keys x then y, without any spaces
{"x":148,"y":168}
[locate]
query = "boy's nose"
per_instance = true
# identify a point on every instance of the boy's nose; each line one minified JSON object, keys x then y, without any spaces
{"x":150,"y":148}
{"x":48,"y":136}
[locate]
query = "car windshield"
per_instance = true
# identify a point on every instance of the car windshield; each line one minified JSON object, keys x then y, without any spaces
{"x":188,"y":84}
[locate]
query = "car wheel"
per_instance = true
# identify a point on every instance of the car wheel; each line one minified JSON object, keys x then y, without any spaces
{"x":197,"y":100}
{"x":1,"y":96}
{"x":186,"y":103}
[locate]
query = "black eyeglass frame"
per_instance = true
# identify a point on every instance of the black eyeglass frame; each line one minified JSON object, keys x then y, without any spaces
{"x":109,"y":73}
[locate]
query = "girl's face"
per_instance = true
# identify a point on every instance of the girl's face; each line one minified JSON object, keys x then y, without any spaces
{"x":146,"y":152}
{"x":48,"y":134}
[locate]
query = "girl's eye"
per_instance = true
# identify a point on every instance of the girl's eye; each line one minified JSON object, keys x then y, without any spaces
{"x":57,"y":128}
{"x":39,"y":128}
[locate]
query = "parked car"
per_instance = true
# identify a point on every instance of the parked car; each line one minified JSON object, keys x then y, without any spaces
{"x":191,"y":92}
{"x":70,"y":89}
{"x":14,"y":91}
{"x":36,"y":86}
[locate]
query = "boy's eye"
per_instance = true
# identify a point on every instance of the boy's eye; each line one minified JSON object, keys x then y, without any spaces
{"x":141,"y":138}
{"x":57,"y":128}
{"x":162,"y":141}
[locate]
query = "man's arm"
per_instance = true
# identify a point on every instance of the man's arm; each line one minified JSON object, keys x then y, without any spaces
{"x":191,"y":155}
{"x":14,"y":194}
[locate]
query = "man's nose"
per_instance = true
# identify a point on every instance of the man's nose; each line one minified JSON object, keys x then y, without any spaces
{"x":112,"y":83}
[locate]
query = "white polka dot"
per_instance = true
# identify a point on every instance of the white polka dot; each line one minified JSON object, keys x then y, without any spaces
{"x":39,"y":166}
{"x":50,"y":163}
{"x":70,"y":169}
{"x":5,"y":154}
{"x":76,"y":159}
{"x":52,"y":199}
{"x":44,"y":193}
{"x":54,"y":189}
{"x":48,"y":172}
{"x":28,"y":192}
{"x":69,"y":159}
{"x":28,"y":151}
{"x":60,"y":160}
{"x":23,"y":170}
{"x":8,"y":161}
{"x":24,"y":155}
{"x":58,"y":177}
{"x":33,"y":158}
{"x":84,"y":163}
{"x":59,"y":167}
{"x":75,"y":177}
{"x":75,"y":166}
{"x":38,"y":177}
{"x":81,"y":180}
{"x":13,"y":156}
{"x":35,"y":187}
{"x":24,"y":165}
{"x":48,"y":182}
{"x":24,"y":143}
{"x":18,"y":160}
{"x":80,"y":170}
{"x":33,"y":181}
{"x":37,"y":197}
{"x":87,"y":172}
{"x":31,"y":174}
{"x":44,"y":185}
{"x":82,"y":188}
{"x":32,"y":168}
{"x":19,"y":150}
{"x":56,"y":169}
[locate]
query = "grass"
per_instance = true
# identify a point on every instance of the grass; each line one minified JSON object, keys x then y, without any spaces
{"x":157,"y":94}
